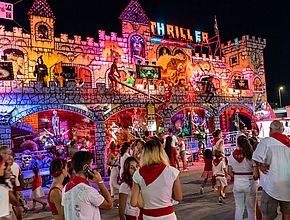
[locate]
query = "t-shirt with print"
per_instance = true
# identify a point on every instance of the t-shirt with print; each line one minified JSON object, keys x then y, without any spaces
{"x":82,"y":203}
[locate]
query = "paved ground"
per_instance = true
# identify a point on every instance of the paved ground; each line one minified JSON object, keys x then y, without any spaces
{"x":193,"y":207}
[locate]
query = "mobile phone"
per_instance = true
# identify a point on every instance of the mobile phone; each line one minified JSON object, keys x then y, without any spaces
{"x":88,"y":172}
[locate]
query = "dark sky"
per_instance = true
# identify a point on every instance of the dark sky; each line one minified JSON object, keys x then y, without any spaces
{"x":261,"y":18}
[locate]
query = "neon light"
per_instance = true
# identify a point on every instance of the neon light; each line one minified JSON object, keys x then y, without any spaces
{"x":160,"y":28}
{"x":236,"y":41}
{"x":156,"y":40}
{"x":198,"y":36}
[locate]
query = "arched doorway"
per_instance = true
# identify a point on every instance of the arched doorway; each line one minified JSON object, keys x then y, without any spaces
{"x":51,"y":133}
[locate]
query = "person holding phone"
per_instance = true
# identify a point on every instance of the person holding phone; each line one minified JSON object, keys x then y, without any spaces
{"x":79,"y":199}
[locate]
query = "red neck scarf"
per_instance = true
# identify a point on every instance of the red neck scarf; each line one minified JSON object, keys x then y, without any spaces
{"x":238,"y":155}
{"x":282,"y":138}
{"x":150,"y":173}
{"x":215,"y":140}
{"x":74,"y":182}
{"x":217,"y":161}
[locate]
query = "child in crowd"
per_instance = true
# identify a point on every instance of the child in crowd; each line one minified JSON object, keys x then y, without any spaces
{"x":126,"y":211}
{"x":207,"y":170}
{"x":37,"y":191}
{"x":220,"y":173}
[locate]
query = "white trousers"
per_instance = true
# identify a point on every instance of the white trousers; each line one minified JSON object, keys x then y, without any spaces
{"x":114,"y":186}
{"x":245,"y":195}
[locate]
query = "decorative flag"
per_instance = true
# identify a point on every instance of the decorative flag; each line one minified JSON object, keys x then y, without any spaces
{"x":6,"y":10}
{"x":216,"y":28}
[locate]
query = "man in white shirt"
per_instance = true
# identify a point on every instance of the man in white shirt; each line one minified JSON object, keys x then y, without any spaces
{"x":79,"y":199}
{"x":272,"y":156}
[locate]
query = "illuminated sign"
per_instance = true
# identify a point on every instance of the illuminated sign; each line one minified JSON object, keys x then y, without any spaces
{"x":147,"y":71}
{"x":6,"y":10}
{"x":176,"y":32}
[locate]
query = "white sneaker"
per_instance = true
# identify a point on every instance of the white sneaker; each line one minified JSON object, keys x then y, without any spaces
{"x":174,"y":202}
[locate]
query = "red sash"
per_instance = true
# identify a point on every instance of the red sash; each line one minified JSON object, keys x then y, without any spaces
{"x":74,"y":182}
{"x":158,"y":212}
{"x":150,"y":173}
{"x":282,"y":138}
{"x":238,"y":155}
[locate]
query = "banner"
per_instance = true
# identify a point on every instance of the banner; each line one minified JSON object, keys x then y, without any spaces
{"x":6,"y":10}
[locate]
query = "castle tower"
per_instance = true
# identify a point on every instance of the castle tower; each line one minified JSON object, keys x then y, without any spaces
{"x":245,"y":58}
{"x":136,"y":28}
{"x":41,"y":25}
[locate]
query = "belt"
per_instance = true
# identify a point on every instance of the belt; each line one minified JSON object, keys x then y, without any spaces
{"x":243,"y":173}
{"x":158,"y":212}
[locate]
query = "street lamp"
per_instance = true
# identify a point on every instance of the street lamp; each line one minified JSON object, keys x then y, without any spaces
{"x":280,"y":101}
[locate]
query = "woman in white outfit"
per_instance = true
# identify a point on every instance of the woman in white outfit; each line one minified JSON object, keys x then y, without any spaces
{"x":113,"y":163}
{"x":241,"y":166}
{"x":157,"y":183}
{"x":124,"y":155}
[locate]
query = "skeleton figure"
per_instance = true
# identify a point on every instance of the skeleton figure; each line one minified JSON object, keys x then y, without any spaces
{"x":26,"y":160}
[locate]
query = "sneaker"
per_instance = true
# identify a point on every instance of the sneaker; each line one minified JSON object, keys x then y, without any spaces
{"x":220,"y":201}
{"x":174,"y":202}
{"x":223,"y":195}
{"x":201,"y":191}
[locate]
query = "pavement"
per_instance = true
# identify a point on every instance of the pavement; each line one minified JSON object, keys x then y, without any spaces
{"x":193,"y":206}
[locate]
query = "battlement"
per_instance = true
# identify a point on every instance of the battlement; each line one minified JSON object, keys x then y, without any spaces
{"x":113,"y":36}
{"x":16,"y":32}
{"x":206,"y":57}
{"x":245,"y":40}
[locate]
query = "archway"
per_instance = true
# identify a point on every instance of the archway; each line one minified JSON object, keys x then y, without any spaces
{"x":232,"y":117}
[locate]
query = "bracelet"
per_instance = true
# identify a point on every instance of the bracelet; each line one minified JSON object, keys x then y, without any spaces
{"x":101,"y":182}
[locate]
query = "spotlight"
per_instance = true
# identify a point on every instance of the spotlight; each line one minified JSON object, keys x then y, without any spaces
{"x":147,"y":62}
{"x":154,"y":63}
{"x":139,"y":62}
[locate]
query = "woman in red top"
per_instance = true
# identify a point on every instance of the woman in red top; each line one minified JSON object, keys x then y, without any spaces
{"x":37,"y":191}
{"x":58,"y":170}
{"x":171,"y":152}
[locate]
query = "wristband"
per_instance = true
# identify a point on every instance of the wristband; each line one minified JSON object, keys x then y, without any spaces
{"x":101,"y":182}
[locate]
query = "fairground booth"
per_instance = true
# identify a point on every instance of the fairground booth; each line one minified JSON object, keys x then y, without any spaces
{"x":59,"y":95}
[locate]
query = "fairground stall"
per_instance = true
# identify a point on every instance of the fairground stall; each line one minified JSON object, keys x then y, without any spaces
{"x":60,"y":94}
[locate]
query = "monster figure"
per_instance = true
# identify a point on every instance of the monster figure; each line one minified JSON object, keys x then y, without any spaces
{"x":113,"y":73}
{"x":26,"y":162}
{"x":137,"y":45}
{"x":40,"y":70}
{"x":55,"y":123}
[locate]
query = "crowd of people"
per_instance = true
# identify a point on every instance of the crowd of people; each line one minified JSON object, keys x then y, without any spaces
{"x":144,"y":179}
{"x":253,"y":165}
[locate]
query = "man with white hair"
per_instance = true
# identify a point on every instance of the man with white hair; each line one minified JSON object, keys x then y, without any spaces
{"x":272,"y":156}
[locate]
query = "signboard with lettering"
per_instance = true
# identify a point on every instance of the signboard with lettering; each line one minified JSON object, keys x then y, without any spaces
{"x":6,"y":10}
{"x":178,"y":33}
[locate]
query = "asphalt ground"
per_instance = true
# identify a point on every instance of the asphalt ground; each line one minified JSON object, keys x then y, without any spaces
{"x":193,"y":207}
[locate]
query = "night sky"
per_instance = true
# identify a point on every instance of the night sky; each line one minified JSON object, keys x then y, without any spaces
{"x":260,"y":18}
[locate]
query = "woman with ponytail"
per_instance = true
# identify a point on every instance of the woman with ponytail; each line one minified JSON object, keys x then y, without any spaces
{"x":58,"y":170}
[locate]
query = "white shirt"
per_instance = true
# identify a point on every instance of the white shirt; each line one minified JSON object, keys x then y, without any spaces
{"x":245,"y":166}
{"x":276,"y":182}
{"x":181,"y":146}
{"x":158,"y":194}
{"x":15,"y":170}
{"x":82,"y":203}
{"x":129,"y":210}
{"x":4,"y":201}
{"x":173,"y":142}
{"x":219,"y":169}
{"x":122,"y":161}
